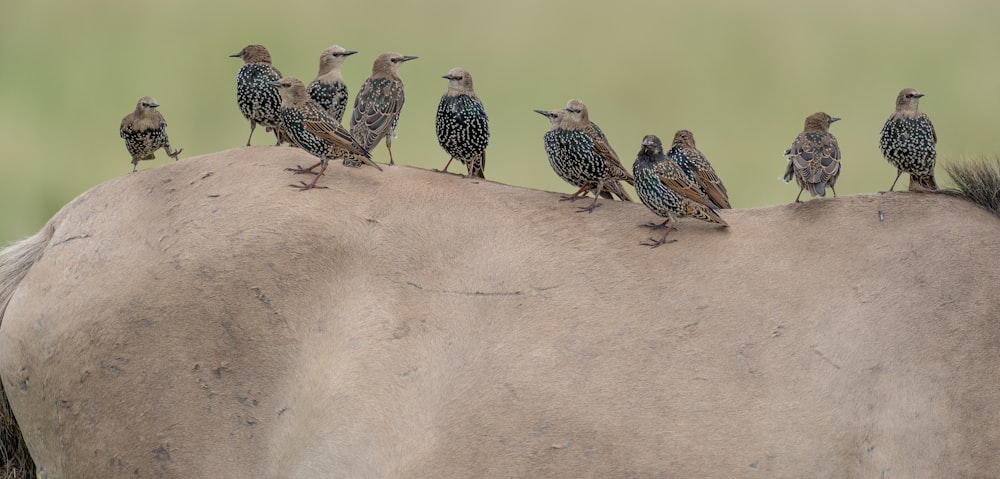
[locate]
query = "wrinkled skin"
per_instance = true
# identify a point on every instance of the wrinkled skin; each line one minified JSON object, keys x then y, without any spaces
{"x":202,"y":319}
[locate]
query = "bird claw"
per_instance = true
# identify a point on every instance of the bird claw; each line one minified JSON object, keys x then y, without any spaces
{"x":655,"y":243}
{"x":588,"y":209}
{"x":300,"y":170}
{"x":302,"y":186}
{"x":653,"y":225}
{"x":568,"y":197}
{"x":175,"y":154}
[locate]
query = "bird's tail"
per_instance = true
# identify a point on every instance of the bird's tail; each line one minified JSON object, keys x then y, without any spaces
{"x":816,"y":189}
{"x":478,"y":168}
{"x":704,"y":213}
{"x":923,"y":182}
{"x":617,"y":189}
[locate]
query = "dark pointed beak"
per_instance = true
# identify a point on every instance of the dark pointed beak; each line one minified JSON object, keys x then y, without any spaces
{"x":407,"y":58}
{"x":647,"y":141}
{"x":274,"y":83}
{"x":154,"y":105}
{"x":918,"y":95}
{"x":236,"y":55}
{"x":350,"y":52}
{"x":834,"y":119}
{"x":542,"y":112}
{"x":449,"y":77}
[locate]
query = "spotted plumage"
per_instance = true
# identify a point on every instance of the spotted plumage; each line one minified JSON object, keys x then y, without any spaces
{"x":908,"y":142}
{"x":666,"y":189}
{"x":601,"y":151}
{"x":328,"y":89}
{"x":814,"y":158}
{"x":693,"y":162}
{"x":560,"y":159}
{"x":379,"y":102}
{"x":315,"y":131}
{"x":463,"y":129}
{"x":258,"y":100}
{"x":145,"y":131}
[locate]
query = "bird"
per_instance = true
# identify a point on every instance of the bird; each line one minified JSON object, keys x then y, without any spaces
{"x":329,"y":89}
{"x":908,"y":142}
{"x":378,"y":103}
{"x":591,"y":154}
{"x":559,"y":159}
{"x":258,"y":100}
{"x":463,"y":129}
{"x":814,"y":158}
{"x":315,"y":131}
{"x":145,"y":131}
{"x":664,"y":187}
{"x":684,"y":152}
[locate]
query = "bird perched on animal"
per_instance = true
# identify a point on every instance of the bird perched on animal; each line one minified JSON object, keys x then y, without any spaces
{"x":591,"y":157}
{"x":684,"y":152}
{"x":378,"y":104}
{"x":559,"y":159}
{"x":315,"y":131}
{"x":814,"y":158}
{"x":257,"y":98}
{"x":145,"y":131}
{"x":908,"y":142}
{"x":329,"y":89}
{"x":666,"y":189}
{"x":463,"y":129}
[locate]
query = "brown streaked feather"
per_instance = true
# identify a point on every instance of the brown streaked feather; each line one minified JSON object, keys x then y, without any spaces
{"x":673,"y":178}
{"x":330,"y":130}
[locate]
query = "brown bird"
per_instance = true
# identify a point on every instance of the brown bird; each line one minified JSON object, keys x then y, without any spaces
{"x":814,"y":158}
{"x":908,"y":142}
{"x":258,"y":100}
{"x":329,"y":89}
{"x":378,"y":104}
{"x":696,"y":166}
{"x":593,"y":153}
{"x":461,"y":124}
{"x":315,"y":131}
{"x":145,"y":131}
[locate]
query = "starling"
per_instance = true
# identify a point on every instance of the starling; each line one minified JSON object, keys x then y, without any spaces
{"x":591,"y":156}
{"x":908,"y":140}
{"x":145,"y":131}
{"x":377,"y":106}
{"x":699,"y":170}
{"x":329,"y":89}
{"x":561,"y":162}
{"x":314,"y":130}
{"x":814,"y":158}
{"x":666,"y":189}
{"x":258,"y":100}
{"x":463,"y":129}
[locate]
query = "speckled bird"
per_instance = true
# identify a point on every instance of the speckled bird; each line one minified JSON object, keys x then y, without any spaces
{"x":328,"y":89}
{"x":684,"y":152}
{"x":379,"y":102}
{"x":145,"y":131}
{"x":315,"y":131}
{"x":666,"y":189}
{"x":591,"y":155}
{"x":908,"y":142}
{"x":814,"y":158}
{"x":560,"y":160}
{"x":463,"y":129}
{"x":258,"y":100}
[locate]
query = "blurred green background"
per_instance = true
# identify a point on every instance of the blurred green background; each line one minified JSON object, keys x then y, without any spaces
{"x":742,"y":75}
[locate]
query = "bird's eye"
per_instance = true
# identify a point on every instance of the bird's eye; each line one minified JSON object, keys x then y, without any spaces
{"x":457,"y":78}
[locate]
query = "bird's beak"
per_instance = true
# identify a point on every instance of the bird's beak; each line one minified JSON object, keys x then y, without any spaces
{"x":236,"y":55}
{"x":350,"y":52}
{"x":834,"y":119}
{"x":647,"y":142}
{"x":154,"y":105}
{"x":918,"y":95}
{"x":407,"y":58}
{"x":449,"y":77}
{"x":274,"y":83}
{"x":542,"y":112}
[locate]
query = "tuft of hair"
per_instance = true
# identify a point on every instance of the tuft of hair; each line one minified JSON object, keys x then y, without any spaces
{"x":978,"y":180}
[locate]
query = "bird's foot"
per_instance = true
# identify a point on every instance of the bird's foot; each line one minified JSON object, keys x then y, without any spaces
{"x":654,"y":225}
{"x":568,"y":197}
{"x":302,"y":186}
{"x":175,"y":154}
{"x":589,"y":209}
{"x":299,"y":170}
{"x":655,"y":243}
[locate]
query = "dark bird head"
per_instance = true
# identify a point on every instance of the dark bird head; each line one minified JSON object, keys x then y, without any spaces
{"x":254,"y":54}
{"x":908,"y":100}
{"x":387,"y":64}
{"x":555,"y":116}
{"x":146,"y":105}
{"x":577,"y":110}
{"x":651,"y":146}
{"x":819,"y":122}
{"x":333,"y":57}
{"x":292,"y":90}
{"x":459,"y":82}
{"x":684,"y":138}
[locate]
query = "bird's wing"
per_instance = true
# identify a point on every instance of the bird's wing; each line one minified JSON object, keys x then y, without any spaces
{"x":376,"y":107}
{"x":933,"y":131}
{"x":672,"y":177}
{"x":709,"y":180}
{"x":603,"y":148}
{"x":320,"y":123}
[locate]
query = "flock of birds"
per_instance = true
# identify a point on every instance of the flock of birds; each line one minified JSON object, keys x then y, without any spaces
{"x":672,"y":183}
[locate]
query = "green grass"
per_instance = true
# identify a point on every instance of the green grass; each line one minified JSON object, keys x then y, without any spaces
{"x":741,"y":75}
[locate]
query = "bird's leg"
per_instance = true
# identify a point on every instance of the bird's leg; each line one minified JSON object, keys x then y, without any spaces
{"x":388,"y":145}
{"x":594,"y":204}
{"x":797,"y":200}
{"x":446,"y":165}
{"x":135,"y":164}
{"x":654,"y":225}
{"x":300,"y":170}
{"x":834,"y":191}
{"x":253,"y":125}
{"x":583,"y":189}
{"x":898,"y":174}
{"x":653,"y":243}
{"x":313,"y":184}
{"x":172,"y":154}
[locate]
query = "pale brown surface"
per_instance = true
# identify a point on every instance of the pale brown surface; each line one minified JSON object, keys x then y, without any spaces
{"x":204,"y":319}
